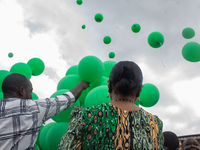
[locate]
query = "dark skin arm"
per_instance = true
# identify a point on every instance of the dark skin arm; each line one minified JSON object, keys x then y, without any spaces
{"x":79,"y":88}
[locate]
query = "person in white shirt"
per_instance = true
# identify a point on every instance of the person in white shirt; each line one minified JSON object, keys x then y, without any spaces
{"x":21,"y":117}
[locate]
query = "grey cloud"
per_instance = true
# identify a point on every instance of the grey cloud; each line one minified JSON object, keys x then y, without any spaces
{"x":51,"y":73}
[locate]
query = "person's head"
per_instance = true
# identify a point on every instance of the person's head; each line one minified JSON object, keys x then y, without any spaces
{"x":171,"y":141}
{"x":190,"y":144}
{"x":17,"y":85}
{"x":126,"y":79}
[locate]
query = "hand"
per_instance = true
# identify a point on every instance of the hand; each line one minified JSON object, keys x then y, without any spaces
{"x":79,"y":88}
{"x":84,"y":85}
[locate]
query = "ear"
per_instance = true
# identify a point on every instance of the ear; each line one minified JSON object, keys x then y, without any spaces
{"x":109,"y":87}
{"x":22,"y":91}
{"x":139,"y":91}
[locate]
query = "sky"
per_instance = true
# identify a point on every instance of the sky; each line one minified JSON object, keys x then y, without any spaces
{"x":51,"y":30}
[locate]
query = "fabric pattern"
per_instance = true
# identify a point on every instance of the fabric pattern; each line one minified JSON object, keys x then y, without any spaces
{"x":107,"y":127}
{"x":21,"y":119}
{"x":74,"y":131}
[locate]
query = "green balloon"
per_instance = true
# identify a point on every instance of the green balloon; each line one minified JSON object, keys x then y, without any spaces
{"x":82,"y":97}
{"x":1,"y":96}
{"x":111,"y":55}
{"x":135,"y":28}
{"x":107,"y":40}
{"x":191,"y":51}
{"x":3,"y":74}
{"x":79,"y":2}
{"x":34,"y":96}
{"x":37,"y":66}
{"x":22,"y":68}
{"x":90,"y":69}
{"x":10,"y":54}
{"x":98,"y":17}
{"x":188,"y":33}
{"x":108,"y":65}
{"x":103,"y":81}
{"x":37,"y":147}
{"x":155,"y":39}
{"x":55,"y":134}
{"x":68,"y":82}
{"x":43,"y":134}
{"x":64,"y":115}
{"x":73,"y":70}
{"x":38,"y":141}
{"x":97,"y":96}
{"x":83,"y":26}
{"x":149,"y":95}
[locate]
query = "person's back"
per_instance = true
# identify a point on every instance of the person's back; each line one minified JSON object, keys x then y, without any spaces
{"x":119,"y":124}
{"x":21,"y":117}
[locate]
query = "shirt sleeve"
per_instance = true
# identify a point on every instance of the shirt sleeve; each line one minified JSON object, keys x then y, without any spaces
{"x":72,"y":139}
{"x":49,"y":107}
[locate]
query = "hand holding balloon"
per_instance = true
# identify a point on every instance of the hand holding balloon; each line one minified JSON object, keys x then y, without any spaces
{"x":79,"y":88}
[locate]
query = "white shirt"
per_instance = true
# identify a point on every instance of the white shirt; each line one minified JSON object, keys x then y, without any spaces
{"x":21,"y":119}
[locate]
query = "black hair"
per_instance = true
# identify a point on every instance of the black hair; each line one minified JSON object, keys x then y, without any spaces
{"x":126,"y":76}
{"x":13,"y":81}
{"x":171,"y":140}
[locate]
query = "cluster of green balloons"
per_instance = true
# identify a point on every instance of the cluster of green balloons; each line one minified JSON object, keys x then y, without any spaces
{"x":50,"y":135}
{"x":34,"y":66}
{"x":92,"y":70}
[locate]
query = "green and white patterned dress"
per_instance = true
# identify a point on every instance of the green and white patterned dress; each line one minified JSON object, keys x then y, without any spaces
{"x":106,"y":127}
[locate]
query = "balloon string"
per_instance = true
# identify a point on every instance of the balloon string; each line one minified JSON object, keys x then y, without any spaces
{"x":161,"y":53}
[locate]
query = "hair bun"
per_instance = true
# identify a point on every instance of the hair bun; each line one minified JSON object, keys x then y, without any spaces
{"x":125,"y":74}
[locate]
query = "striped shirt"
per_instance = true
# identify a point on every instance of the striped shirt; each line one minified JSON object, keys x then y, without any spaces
{"x":21,"y":119}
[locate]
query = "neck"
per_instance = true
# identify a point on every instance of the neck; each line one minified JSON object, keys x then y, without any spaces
{"x":123,"y":98}
{"x":10,"y":95}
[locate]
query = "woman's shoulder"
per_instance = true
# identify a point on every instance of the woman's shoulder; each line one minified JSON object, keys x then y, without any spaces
{"x":152,"y":117}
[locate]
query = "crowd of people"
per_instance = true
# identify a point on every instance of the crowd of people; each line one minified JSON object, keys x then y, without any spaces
{"x":119,"y":124}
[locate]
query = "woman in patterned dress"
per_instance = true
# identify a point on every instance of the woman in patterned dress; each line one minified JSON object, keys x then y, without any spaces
{"x":119,"y":124}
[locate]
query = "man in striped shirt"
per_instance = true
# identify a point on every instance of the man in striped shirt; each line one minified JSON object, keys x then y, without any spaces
{"x":21,"y":117}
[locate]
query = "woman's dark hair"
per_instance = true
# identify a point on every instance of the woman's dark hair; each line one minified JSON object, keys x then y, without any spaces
{"x":13,"y":81}
{"x":126,"y":76}
{"x":170,"y":140}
